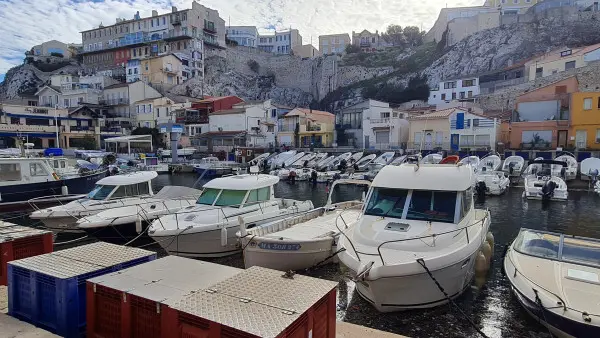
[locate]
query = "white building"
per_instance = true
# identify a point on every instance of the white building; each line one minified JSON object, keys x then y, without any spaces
{"x":69,"y":91}
{"x":470,"y":131}
{"x":280,"y":42}
{"x":243,"y":35}
{"x":460,"y":89}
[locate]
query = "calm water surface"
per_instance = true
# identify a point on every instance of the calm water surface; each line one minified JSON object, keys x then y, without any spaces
{"x":488,"y":303}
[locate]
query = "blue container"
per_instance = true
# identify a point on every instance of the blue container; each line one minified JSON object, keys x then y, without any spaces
{"x":49,"y":290}
{"x":546,"y":155}
{"x":523,"y":154}
{"x":53,"y":152}
{"x":582,"y":155}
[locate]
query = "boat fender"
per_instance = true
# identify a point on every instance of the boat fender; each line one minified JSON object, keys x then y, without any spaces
{"x":224,"y":236}
{"x":487,"y":252}
{"x":490,"y":239}
{"x":64,"y":190}
{"x":138,"y":224}
{"x":243,"y":231}
{"x":480,"y":263}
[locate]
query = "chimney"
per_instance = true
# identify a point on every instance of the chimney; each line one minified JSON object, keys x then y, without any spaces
{"x":154,"y":12}
{"x":173,"y":9}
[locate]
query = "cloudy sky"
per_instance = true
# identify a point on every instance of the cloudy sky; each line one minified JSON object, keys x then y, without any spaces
{"x":25,"y":23}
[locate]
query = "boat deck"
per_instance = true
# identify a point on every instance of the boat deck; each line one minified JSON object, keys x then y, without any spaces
{"x":318,"y":227}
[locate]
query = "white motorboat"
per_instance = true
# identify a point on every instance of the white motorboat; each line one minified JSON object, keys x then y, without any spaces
{"x":513,"y":166}
{"x":213,"y":167}
{"x":473,"y":161}
{"x":418,"y":218}
{"x":258,"y":159}
{"x":123,"y":224}
{"x":324,"y":164}
{"x":287,"y":163}
{"x":154,"y":164}
{"x":277,"y":161}
{"x":180,"y":152}
{"x":385,"y":158}
{"x":317,"y":159}
{"x":542,"y":183}
{"x":110,"y":192}
{"x":334,"y":164}
{"x":432,"y":159}
{"x":304,"y":160}
{"x":356,"y":157}
{"x":300,"y":241}
{"x":556,"y":278}
{"x":400,"y":160}
{"x":590,"y":167}
{"x":572,"y":166}
{"x":208,"y":228}
{"x":327,"y":176}
{"x":489,"y":180}
{"x":364,"y":162}
{"x":302,"y":174}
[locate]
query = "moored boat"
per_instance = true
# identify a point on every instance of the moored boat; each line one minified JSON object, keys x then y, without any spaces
{"x":542,"y":183}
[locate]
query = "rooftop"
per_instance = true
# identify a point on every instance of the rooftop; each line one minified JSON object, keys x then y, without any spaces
{"x":557,"y":53}
{"x":438,"y":114}
{"x":118,"y":85}
{"x":228,"y":111}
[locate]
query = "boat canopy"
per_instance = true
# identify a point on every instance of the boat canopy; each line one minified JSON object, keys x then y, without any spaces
{"x":129,"y":179}
{"x":434,"y":177}
{"x":242,"y":182}
{"x":553,"y":162}
{"x":559,"y":247}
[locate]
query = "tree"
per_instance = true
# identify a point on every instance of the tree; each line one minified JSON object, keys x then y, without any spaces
{"x":254,"y":66}
{"x":352,"y":49}
{"x":394,"y":35}
{"x":88,"y":143}
{"x":413,"y":35}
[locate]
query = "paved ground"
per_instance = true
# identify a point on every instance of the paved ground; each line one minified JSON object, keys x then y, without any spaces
{"x":347,"y":330}
{"x":3,"y":299}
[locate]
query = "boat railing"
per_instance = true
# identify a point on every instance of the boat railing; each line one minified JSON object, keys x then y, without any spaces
{"x":432,"y":236}
{"x":49,"y":199}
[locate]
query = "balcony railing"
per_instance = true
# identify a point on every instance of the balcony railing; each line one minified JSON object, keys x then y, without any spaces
{"x":313,"y":128}
{"x":210,"y":30}
{"x":177,"y":35}
{"x":176,"y":21}
{"x":114,"y":102}
{"x":211,"y":42}
{"x":380,"y":121}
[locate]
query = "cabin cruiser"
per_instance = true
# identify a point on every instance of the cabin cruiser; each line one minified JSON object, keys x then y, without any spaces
{"x":109,"y":192}
{"x":23,"y":179}
{"x":513,"y":166}
{"x":213,"y":167}
{"x":556,"y":278}
{"x":125,"y":223}
{"x":542,"y":183}
{"x":153,"y":164}
{"x":431,"y":159}
{"x":590,"y":167}
{"x":208,"y":228}
{"x":303,"y":240}
{"x":418,"y":218}
{"x":473,"y":161}
{"x":489,"y":180}
{"x":572,"y":166}
{"x":180,"y":152}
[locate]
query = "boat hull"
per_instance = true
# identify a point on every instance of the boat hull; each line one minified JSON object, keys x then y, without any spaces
{"x":120,"y":233}
{"x":16,"y":197}
{"x":200,"y":244}
{"x":418,"y":291}
{"x":58,"y":225}
{"x":286,"y":255}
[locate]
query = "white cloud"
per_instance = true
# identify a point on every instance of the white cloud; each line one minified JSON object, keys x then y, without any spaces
{"x":26,"y":23}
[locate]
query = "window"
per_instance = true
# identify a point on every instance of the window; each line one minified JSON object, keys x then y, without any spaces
{"x":466,"y":140}
{"x":462,"y":95}
{"x":443,"y":96}
{"x":468,"y":83}
{"x":482,"y":140}
{"x":587,"y":103}
{"x":37,"y":169}
{"x":467,"y":200}
{"x":273,"y":112}
{"x":597,"y":135}
{"x":131,"y":190}
{"x":259,"y":195}
{"x":231,"y":198}
{"x":10,"y":172}
{"x":539,"y":72}
{"x":435,"y":206}
{"x":470,"y":94}
{"x":385,"y":115}
{"x":66,"y":103}
{"x":451,"y":84}
{"x":270,"y":129}
{"x":387,"y":202}
{"x":569,"y":65}
{"x":516,"y":2}
{"x":453,"y":96}
{"x":537,"y":244}
{"x":475,"y":122}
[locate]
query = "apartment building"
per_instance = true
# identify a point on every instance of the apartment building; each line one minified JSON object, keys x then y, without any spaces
{"x":306,"y":51}
{"x":561,"y":60}
{"x":243,"y":35}
{"x":333,"y":43}
{"x":315,"y":127}
{"x":68,"y":91}
{"x":282,"y":42}
{"x":163,"y":71}
{"x":187,"y":31}
{"x":465,"y":89}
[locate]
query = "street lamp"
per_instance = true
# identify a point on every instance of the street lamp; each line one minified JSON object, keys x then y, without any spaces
{"x":56,"y":124}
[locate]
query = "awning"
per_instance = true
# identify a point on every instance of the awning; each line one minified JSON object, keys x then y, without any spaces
{"x":130,"y":139}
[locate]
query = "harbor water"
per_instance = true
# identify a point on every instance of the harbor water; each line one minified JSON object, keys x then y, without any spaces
{"x":488,"y":303}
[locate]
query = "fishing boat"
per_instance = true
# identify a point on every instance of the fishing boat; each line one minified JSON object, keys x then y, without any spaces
{"x":300,"y":241}
{"x":419,"y":228}
{"x":542,"y":182}
{"x":109,"y":192}
{"x":323,"y":164}
{"x":590,"y":167}
{"x":213,"y":167}
{"x":556,"y":278}
{"x":374,"y":167}
{"x":385,"y":158}
{"x":23,"y":179}
{"x":513,"y":166}
{"x":121,"y":224}
{"x":489,"y":179}
{"x":151,"y":163}
{"x":572,"y":167}
{"x":276,"y":161}
{"x":208,"y":228}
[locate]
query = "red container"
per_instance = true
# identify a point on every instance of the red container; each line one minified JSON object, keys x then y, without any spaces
{"x":17,"y":242}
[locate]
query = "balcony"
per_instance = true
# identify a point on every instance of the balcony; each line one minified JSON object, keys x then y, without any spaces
{"x":174,"y":35}
{"x":365,"y":44}
{"x":192,"y":120}
{"x":86,"y":130}
{"x":171,"y":70}
{"x":176,"y":21}
{"x":211,"y":42}
{"x":112,"y":131}
{"x":210,"y":30}
{"x":114,"y":102}
{"x":384,"y":122}
{"x":26,"y":128}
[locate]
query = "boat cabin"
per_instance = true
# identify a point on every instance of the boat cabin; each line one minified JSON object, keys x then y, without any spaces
{"x":21,"y":170}
{"x":429,"y":193}
{"x":136,"y":184}
{"x":559,"y":247}
{"x":238,"y":191}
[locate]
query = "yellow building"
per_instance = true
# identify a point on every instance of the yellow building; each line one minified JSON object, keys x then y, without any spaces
{"x":585,"y":120}
{"x":162,"y":71}
{"x":315,"y":127}
{"x":561,"y":60}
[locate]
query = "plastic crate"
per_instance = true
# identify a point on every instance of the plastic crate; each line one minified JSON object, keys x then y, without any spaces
{"x":129,"y":303}
{"x":258,"y":302}
{"x":49,"y":290}
{"x":17,"y":242}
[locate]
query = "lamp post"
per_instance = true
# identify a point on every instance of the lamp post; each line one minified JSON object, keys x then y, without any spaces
{"x":56,"y":124}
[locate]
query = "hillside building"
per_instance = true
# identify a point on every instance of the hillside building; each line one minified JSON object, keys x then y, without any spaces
{"x":334,"y":43}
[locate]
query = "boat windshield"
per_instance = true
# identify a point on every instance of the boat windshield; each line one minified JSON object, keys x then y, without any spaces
{"x":538,"y":244}
{"x":576,"y":250}
{"x":387,"y":202}
{"x":231,"y":198}
{"x":581,"y":251}
{"x":208,"y":196}
{"x":100,"y":192}
{"x":434,"y":206}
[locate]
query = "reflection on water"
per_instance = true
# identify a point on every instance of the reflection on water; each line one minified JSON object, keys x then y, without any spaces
{"x":489,"y":302}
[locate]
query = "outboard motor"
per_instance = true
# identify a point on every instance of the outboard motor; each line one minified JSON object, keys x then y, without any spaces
{"x":548,"y":190}
{"x":481,"y":188}
{"x":511,"y":168}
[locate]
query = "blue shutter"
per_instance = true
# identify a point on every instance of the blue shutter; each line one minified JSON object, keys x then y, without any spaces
{"x":460,"y":121}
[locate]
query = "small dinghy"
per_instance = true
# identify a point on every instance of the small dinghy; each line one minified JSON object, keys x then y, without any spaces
{"x":556,"y":278}
{"x":489,"y":180}
{"x":473,"y":161}
{"x":300,"y":241}
{"x":432,"y":159}
{"x":572,"y":166}
{"x":513,"y":166}
{"x":542,"y":182}
{"x":590,"y":167}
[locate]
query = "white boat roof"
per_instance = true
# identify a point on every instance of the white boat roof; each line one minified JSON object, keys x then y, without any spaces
{"x":242,"y":182}
{"x":126,"y":179}
{"x":441,"y":177}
